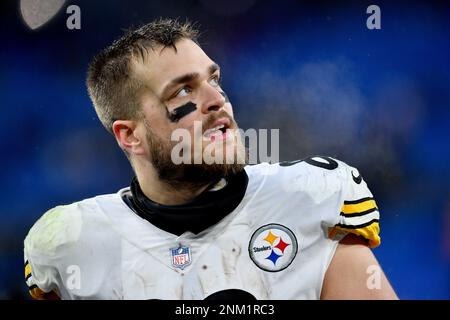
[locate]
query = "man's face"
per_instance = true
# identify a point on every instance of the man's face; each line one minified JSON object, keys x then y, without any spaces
{"x":182,"y":91}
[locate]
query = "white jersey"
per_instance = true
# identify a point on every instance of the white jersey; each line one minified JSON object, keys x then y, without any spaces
{"x":277,"y":244}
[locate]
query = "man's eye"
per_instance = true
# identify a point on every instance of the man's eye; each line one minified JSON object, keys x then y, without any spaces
{"x":183,"y":92}
{"x":215,"y":82}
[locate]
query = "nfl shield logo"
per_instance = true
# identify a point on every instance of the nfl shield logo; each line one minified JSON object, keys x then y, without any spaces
{"x":181,"y":257}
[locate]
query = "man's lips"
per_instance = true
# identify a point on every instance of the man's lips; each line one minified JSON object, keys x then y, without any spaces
{"x":219,"y":127}
{"x":222,"y":121}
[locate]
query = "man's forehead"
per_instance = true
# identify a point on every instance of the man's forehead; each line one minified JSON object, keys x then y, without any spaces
{"x":161,"y":65}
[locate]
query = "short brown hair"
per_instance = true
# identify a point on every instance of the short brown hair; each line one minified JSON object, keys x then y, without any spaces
{"x":111,"y":86}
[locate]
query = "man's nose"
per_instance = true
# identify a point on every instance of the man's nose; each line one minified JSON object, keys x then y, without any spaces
{"x":212,"y":99}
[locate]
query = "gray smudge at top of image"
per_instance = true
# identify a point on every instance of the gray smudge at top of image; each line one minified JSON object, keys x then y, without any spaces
{"x":36,"y":13}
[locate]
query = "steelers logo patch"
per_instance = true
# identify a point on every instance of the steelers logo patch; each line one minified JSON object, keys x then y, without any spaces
{"x":273,"y":247}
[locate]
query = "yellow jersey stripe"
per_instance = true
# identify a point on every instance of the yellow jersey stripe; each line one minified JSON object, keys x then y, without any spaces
{"x":366,"y":206}
{"x":370,"y":232}
{"x":27,"y":270}
{"x":359,"y":214}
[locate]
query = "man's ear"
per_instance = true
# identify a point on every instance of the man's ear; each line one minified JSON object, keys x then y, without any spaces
{"x":127,"y":136}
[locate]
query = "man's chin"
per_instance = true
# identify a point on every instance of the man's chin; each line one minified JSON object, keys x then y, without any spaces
{"x":227,"y":152}
{"x":212,"y":147}
{"x":197,"y":174}
{"x":208,"y":172}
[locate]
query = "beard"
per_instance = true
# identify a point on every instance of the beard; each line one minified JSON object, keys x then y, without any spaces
{"x":189,"y":175}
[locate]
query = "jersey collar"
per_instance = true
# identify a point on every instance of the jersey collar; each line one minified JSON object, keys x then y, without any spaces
{"x":202,"y":212}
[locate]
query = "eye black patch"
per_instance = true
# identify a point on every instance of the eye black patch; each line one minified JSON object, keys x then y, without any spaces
{"x":182,"y":111}
{"x":225,"y":96}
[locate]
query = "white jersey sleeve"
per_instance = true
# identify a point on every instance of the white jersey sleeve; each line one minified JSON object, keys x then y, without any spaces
{"x":57,"y":228}
{"x":359,"y":213}
{"x":69,"y":252}
{"x":335,"y":191}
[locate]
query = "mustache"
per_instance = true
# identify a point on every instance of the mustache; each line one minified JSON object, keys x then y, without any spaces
{"x":216,"y":116}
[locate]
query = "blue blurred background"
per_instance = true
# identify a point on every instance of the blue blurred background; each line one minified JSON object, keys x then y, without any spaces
{"x":377,"y":99}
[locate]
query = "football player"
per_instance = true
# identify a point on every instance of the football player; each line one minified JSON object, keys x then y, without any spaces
{"x":291,"y":230}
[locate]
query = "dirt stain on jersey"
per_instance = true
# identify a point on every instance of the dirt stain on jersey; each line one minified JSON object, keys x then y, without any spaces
{"x":58,"y":226}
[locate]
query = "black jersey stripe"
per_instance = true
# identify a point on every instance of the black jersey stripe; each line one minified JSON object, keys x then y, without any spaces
{"x":358,"y":214}
{"x":358,"y":201}
{"x":345,"y":226}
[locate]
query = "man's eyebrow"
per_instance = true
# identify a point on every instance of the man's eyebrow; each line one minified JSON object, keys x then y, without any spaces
{"x":213,"y":68}
{"x":185,"y":78}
